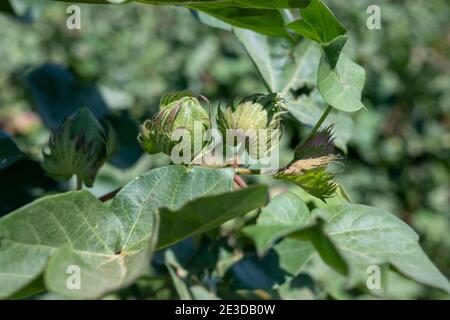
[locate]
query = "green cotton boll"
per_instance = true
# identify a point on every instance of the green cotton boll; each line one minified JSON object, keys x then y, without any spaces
{"x":79,"y":147}
{"x":178,"y":116}
{"x":256,"y":120}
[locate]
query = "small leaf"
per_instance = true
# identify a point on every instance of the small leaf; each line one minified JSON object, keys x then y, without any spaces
{"x":75,"y":228}
{"x":293,"y":254}
{"x":265,"y":21}
{"x":341,"y":88}
{"x":368,"y":236}
{"x":319,"y":24}
{"x":6,"y":7}
{"x":126,"y":128}
{"x":57,"y":93}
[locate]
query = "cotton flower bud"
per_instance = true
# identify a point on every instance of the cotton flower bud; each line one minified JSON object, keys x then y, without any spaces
{"x":255,"y":121}
{"x":180,"y":113}
{"x":79,"y":147}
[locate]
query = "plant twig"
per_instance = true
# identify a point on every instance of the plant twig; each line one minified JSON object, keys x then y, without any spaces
{"x":109,"y":195}
{"x":320,"y":122}
{"x":79,"y":183}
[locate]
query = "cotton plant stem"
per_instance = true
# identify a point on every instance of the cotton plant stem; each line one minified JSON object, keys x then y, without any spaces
{"x":320,"y":122}
{"x":79,"y":183}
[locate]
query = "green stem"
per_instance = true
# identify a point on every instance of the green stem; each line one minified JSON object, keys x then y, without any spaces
{"x":320,"y":122}
{"x":79,"y":183}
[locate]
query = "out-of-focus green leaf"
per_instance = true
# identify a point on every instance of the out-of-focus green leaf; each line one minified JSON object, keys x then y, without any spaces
{"x":126,"y":128}
{"x":23,"y":10}
{"x":170,"y":187}
{"x":300,"y":288}
{"x":9,"y":152}
{"x":370,"y":236}
{"x":341,"y":87}
{"x":263,"y":17}
{"x":363,"y":236}
{"x":57,"y":94}
{"x":51,"y":227}
{"x":285,"y":215}
{"x":264,"y":21}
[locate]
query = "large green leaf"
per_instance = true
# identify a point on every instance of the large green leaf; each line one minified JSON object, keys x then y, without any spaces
{"x":282,"y":65}
{"x":293,"y":254}
{"x":269,"y":22}
{"x":6,"y":7}
{"x":170,"y":187}
{"x":112,"y":245}
{"x":360,"y":235}
{"x":30,"y":235}
{"x":341,"y":87}
{"x":288,"y":215}
{"x":370,"y":236}
{"x":185,"y":289}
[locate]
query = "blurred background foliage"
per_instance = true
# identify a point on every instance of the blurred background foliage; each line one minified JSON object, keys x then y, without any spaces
{"x":124,"y":58}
